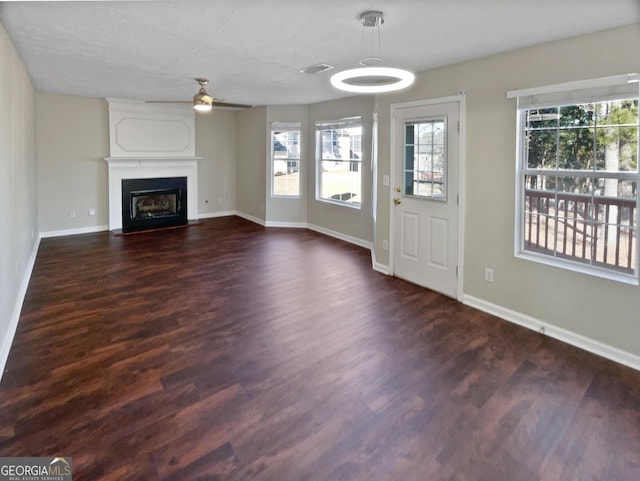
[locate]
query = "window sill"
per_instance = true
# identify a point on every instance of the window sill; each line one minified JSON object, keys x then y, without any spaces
{"x":341,"y":204}
{"x":594,"y":271}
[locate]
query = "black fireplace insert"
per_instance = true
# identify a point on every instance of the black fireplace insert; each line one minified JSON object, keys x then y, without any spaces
{"x":153,"y":203}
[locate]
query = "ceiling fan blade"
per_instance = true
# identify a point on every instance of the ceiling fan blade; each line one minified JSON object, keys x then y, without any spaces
{"x":168,"y":101}
{"x":214,"y":103}
{"x":202,"y":99}
{"x":226,"y":104}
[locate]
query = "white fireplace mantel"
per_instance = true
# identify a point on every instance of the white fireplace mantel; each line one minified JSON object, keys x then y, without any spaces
{"x":145,"y":168}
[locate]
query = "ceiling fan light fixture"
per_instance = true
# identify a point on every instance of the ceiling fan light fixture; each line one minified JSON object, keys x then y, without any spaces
{"x":202,"y":101}
{"x":201,"y":105}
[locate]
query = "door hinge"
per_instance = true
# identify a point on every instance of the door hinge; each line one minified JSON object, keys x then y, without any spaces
{"x":458,"y":199}
{"x":458,"y":126}
{"x":456,"y":271}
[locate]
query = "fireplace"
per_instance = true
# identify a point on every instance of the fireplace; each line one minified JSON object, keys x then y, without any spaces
{"x":125,"y":169}
{"x":153,"y":203}
{"x":151,"y":141}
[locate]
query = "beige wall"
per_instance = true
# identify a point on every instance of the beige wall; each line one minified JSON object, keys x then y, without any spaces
{"x":251,"y":155}
{"x":356,"y":223}
{"x":73,"y":140}
{"x":18,"y":195}
{"x":216,"y":144}
{"x":599,"y":309}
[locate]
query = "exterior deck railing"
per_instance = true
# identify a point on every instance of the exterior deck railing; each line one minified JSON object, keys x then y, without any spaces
{"x":591,"y":229}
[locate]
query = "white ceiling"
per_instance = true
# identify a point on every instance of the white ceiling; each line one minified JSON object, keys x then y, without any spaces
{"x":252,"y":50}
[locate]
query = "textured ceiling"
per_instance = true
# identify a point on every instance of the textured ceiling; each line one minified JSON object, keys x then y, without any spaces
{"x":252,"y":50}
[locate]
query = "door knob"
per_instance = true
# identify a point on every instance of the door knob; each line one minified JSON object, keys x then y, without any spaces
{"x":397,"y":200}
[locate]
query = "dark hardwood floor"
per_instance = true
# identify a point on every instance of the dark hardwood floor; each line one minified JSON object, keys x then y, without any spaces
{"x":229,"y":352}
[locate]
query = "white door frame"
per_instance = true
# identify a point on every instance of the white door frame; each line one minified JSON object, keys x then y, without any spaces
{"x":460,"y":99}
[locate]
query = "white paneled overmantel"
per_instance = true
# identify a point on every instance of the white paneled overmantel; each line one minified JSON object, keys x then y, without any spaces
{"x":139,"y":129}
{"x":150,"y":141}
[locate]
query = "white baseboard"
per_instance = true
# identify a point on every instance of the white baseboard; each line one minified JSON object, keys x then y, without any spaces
{"x":290,"y":225}
{"x":80,"y":230}
{"x":5,"y":347}
{"x":251,"y":218}
{"x":211,"y":215}
{"x":564,"y":335}
{"x":382,"y":268}
{"x":313,"y":227}
{"x":341,"y":236}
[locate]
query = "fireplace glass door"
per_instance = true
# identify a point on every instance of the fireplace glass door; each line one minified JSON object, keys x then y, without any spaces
{"x":146,"y":205}
{"x":153,"y":203}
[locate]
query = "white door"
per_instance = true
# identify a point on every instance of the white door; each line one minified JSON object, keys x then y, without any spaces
{"x":425,"y":195}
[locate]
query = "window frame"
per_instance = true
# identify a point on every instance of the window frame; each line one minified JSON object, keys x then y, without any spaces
{"x":445,"y":172}
{"x":278,"y":126}
{"x":344,"y":123}
{"x":569,"y":94}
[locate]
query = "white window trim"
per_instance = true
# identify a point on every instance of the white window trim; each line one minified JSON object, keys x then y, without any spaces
{"x":604,"y":88}
{"x":604,"y":82}
{"x":335,"y":124}
{"x":277,"y":125}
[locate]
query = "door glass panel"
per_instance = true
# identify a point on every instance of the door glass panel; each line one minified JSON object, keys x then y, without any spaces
{"x":425,"y":160}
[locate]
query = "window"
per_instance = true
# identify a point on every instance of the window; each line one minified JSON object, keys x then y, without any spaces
{"x":578,"y":179}
{"x":285,"y":159}
{"x":425,"y":172}
{"x":339,"y":156}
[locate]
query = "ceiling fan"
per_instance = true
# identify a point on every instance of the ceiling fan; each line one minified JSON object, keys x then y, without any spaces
{"x":202,"y":101}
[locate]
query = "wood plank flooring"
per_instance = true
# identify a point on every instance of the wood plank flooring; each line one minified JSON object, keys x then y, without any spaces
{"x":231,"y":352}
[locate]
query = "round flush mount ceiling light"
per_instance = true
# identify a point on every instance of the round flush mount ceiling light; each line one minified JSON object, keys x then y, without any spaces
{"x":372,"y":78}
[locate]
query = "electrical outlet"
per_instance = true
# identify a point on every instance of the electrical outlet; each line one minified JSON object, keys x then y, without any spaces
{"x":385,"y":245}
{"x":221,"y":200}
{"x":488,"y":274}
{"x":92,"y":211}
{"x":72,"y":213}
